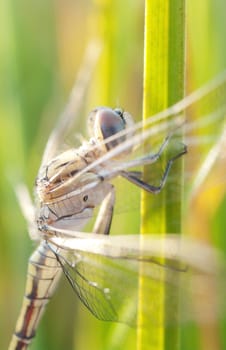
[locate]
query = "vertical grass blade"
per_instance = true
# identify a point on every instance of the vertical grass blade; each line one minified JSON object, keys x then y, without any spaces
{"x":176,"y":69}
{"x":163,"y":85}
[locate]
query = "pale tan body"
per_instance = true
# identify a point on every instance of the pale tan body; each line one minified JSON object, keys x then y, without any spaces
{"x":66,"y":199}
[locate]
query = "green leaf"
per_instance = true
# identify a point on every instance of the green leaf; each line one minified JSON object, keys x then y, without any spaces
{"x":163,"y":86}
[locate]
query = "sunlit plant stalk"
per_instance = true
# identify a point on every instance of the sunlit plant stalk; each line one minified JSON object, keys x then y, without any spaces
{"x":163,"y":86}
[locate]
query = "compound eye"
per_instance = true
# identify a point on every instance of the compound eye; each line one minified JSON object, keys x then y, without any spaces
{"x":106,"y":122}
{"x":110,"y":123}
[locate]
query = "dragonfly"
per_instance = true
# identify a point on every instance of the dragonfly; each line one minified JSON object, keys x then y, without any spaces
{"x":102,"y":269}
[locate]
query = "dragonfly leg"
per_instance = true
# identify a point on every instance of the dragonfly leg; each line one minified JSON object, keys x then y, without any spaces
{"x":134,"y":177}
{"x":149,"y":158}
{"x":104,"y":218}
{"x":140,"y":161}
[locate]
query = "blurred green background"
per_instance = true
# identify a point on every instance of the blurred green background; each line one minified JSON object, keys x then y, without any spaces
{"x":41,"y":48}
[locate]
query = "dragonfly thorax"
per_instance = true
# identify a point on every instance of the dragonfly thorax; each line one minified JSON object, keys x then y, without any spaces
{"x":67,"y":193}
{"x":74,"y":210}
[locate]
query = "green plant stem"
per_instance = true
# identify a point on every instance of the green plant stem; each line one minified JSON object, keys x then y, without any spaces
{"x":163,"y":86}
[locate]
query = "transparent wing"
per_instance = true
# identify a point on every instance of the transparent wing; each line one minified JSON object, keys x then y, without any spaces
{"x":105,"y":273}
{"x":73,"y":107}
{"x":95,"y":281}
{"x":199,"y":117}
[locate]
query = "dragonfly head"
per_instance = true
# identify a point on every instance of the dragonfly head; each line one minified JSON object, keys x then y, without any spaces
{"x":108,"y":125}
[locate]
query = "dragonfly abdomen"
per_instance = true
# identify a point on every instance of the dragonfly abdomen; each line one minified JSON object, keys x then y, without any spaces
{"x":43,"y":275}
